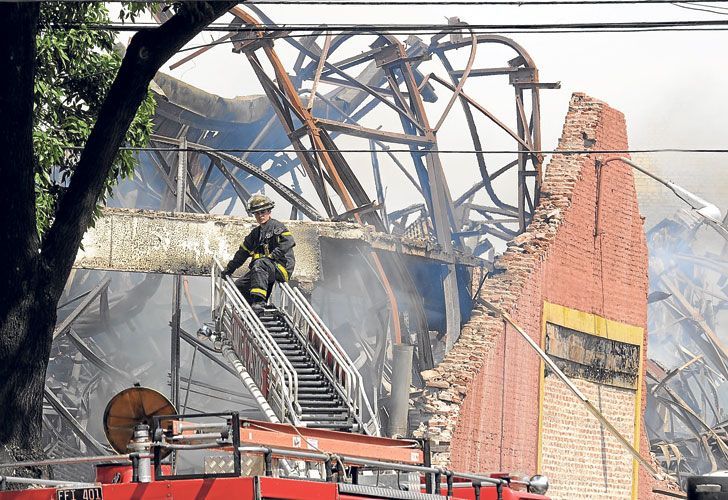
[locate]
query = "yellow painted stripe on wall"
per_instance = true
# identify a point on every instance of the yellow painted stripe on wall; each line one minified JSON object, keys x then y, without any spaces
{"x":593,"y":325}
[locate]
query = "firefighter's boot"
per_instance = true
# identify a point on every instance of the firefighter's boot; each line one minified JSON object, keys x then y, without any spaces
{"x":258,"y":307}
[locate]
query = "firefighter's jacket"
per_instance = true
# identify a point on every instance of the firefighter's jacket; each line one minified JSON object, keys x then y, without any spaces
{"x":271,"y":240}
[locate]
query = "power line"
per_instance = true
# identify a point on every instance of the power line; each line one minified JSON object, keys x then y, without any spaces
{"x":482,"y":32}
{"x":515,"y":3}
{"x":424,"y":151}
{"x":418,"y":28}
{"x":702,"y":8}
{"x":711,"y":6}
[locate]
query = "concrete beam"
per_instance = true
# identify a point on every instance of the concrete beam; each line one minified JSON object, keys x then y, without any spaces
{"x":163,"y":242}
{"x":418,"y":248}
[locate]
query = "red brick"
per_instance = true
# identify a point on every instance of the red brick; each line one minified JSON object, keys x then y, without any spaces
{"x":495,"y":427}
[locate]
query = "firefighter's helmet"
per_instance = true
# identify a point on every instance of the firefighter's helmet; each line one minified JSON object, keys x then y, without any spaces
{"x":259,"y":203}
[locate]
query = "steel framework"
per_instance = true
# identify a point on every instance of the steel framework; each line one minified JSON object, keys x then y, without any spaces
{"x":387,"y":76}
{"x":687,"y":373}
{"x":293,"y":136}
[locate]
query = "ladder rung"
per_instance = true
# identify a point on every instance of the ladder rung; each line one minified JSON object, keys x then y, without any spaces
{"x":314,"y":390}
{"x":309,"y":370}
{"x":290,"y":349}
{"x":324,"y":418}
{"x":315,"y":410}
{"x":310,"y":403}
{"x":312,"y":383}
{"x":318,"y":398}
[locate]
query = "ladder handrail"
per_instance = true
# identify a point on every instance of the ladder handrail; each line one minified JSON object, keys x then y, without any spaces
{"x":276,"y":381}
{"x":359,"y":379}
{"x":354,"y":385}
{"x":272,"y":369}
{"x":331,"y":344}
{"x":273,"y":350}
{"x":284,"y":376}
{"x":302,"y":312}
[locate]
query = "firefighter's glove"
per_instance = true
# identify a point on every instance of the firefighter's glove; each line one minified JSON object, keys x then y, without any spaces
{"x":224,"y":274}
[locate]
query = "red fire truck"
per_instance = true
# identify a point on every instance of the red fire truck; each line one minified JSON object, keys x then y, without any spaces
{"x":297,"y":372}
{"x":253,"y":459}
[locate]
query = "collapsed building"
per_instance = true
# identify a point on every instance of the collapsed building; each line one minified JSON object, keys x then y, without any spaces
{"x":577,"y":281}
{"x":686,"y":371}
{"x":398,"y":286}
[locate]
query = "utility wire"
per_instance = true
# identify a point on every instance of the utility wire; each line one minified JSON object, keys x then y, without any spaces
{"x":480,"y":32}
{"x":702,"y":8}
{"x":515,"y":3}
{"x":418,"y":28}
{"x":719,"y":7}
{"x":422,"y":151}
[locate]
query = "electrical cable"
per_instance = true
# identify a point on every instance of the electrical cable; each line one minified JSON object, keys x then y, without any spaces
{"x":711,"y":6}
{"x":514,"y":3}
{"x":480,"y":32}
{"x":489,"y":3}
{"x":419,"y":28}
{"x":701,"y":9}
{"x":422,"y":151}
{"x":485,"y":32}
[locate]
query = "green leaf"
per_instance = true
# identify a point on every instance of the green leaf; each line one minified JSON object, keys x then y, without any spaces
{"x":75,"y":69}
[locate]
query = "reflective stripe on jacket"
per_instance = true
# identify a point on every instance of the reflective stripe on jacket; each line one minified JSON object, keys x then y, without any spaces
{"x":272,"y":240}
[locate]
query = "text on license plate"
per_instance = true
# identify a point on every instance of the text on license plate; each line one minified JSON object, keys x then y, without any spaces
{"x":90,"y":493}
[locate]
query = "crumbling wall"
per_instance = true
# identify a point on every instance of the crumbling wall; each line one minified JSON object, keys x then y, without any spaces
{"x":484,"y":398}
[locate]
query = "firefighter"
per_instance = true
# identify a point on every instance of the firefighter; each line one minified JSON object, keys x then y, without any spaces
{"x":270,"y":248}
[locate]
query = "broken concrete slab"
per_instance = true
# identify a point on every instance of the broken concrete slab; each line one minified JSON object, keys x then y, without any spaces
{"x":185,"y":243}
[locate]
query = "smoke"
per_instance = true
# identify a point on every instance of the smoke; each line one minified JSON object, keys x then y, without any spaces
{"x":135,"y":340}
{"x":687,"y":372}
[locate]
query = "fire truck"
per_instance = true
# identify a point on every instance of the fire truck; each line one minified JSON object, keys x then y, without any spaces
{"x":320,"y":439}
{"x":250,"y":459}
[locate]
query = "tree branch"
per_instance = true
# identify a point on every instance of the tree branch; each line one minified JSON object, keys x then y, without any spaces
{"x":148,"y":50}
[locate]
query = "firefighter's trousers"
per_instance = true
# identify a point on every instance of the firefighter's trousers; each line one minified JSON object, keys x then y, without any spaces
{"x":257,"y":283}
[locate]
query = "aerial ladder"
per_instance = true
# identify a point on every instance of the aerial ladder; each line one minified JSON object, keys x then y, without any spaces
{"x":321,"y":442}
{"x":290,"y":361}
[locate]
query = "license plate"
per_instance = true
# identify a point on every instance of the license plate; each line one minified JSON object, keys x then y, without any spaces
{"x":90,"y":493}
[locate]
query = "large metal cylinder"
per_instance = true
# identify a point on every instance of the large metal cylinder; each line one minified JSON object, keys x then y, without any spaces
{"x":401,"y":381}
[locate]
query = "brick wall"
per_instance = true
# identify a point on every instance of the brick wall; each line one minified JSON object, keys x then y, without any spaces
{"x":483,"y":399}
{"x":608,"y":470}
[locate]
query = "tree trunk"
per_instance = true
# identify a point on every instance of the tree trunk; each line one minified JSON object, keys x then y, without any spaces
{"x":32,"y":276}
{"x":25,"y":356}
{"x":23,"y":350}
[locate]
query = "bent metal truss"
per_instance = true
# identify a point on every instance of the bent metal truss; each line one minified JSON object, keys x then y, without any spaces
{"x":293,"y":140}
{"x":298,"y":127}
